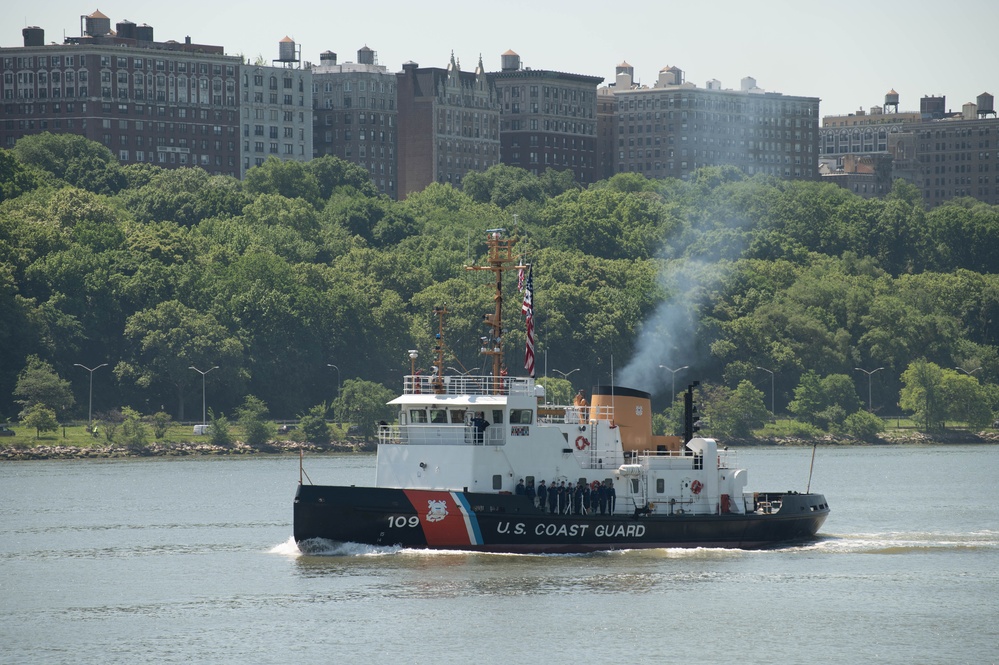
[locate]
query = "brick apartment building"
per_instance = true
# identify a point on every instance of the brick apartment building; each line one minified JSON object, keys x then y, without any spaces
{"x":355,"y":116}
{"x":548,"y":119}
{"x":449,"y":124}
{"x":946,"y":154}
{"x":169,"y":103}
{"x":673,"y":127}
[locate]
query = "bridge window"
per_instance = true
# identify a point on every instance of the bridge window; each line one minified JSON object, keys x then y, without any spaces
{"x":417,"y":416}
{"x":521,"y":416}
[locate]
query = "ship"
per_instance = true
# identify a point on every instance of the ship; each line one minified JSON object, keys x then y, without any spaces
{"x":463,"y":468}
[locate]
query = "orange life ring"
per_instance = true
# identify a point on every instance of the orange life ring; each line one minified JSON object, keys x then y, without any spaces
{"x":581,"y":442}
{"x":595,"y":485}
{"x":696,"y":486}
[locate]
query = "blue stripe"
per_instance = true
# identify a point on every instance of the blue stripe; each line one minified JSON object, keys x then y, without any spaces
{"x":471,"y":521}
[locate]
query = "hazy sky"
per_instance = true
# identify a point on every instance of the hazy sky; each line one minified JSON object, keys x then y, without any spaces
{"x":848,"y":53}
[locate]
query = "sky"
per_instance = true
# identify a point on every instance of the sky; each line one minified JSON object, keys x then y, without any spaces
{"x":847,"y":53}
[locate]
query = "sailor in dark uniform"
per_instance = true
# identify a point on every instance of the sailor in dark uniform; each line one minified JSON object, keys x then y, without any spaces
{"x":542,"y":496}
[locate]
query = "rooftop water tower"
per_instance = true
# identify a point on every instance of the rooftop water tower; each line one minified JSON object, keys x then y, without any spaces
{"x":96,"y":24}
{"x":986,"y":105}
{"x":891,"y":101}
{"x":33,"y":36}
{"x":289,"y":52}
{"x":510,"y":61}
{"x":366,"y":56}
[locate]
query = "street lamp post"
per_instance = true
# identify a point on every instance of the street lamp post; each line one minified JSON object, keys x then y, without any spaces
{"x":204,"y":417}
{"x":673,"y":379}
{"x":90,"y":407}
{"x":969,"y":373}
{"x":861,"y":369}
{"x":337,"y":388}
{"x":337,"y":378}
{"x":565,"y":375}
{"x":772,"y":410}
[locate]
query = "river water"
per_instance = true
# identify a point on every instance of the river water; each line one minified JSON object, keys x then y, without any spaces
{"x":190,"y":560}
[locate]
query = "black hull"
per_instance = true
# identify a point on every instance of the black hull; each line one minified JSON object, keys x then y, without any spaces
{"x":506,"y":523}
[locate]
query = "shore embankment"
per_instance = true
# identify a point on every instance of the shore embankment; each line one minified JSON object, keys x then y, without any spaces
{"x":42,"y":450}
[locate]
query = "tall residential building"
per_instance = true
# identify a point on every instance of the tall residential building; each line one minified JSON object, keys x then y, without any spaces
{"x":958,"y":156}
{"x":673,"y":127}
{"x":945,"y":154}
{"x":354,"y":115}
{"x":548,"y":119}
{"x":165,"y":103}
{"x":276,"y":109}
{"x":449,"y":124}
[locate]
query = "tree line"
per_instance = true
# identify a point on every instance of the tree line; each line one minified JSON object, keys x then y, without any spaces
{"x":777,"y":296}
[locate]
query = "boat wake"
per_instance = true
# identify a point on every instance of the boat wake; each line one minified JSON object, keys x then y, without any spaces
{"x":899,"y":542}
{"x":324,"y":547}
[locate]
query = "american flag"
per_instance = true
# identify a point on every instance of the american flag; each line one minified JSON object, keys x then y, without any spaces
{"x":529,"y":353}
{"x":520,"y":279}
{"x":528,"y":311}
{"x":528,"y":307}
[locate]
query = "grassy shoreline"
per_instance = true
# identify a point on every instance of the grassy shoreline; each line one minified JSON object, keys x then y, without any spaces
{"x":179,"y":443}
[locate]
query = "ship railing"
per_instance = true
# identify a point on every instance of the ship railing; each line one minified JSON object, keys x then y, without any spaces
{"x":418,"y":384}
{"x":727,"y":459}
{"x":559,"y":414}
{"x":439,"y":435}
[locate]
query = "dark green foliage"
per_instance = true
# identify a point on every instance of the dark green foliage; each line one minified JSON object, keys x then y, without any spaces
{"x":73,"y":159}
{"x":314,"y":426}
{"x":252,"y":418}
{"x":303,"y":264}
{"x":220,"y":430}
{"x":39,"y":417}
{"x":38,"y":383}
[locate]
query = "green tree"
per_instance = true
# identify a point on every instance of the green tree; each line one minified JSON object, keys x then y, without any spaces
{"x":79,"y":161}
{"x":922,"y":395}
{"x":557,"y":391}
{"x":968,"y":401}
{"x":161,"y":423}
{"x":220,"y":431}
{"x":313,"y":425}
{"x":252,"y":419}
{"x":15,"y":179}
{"x":824,"y":401}
{"x":333,"y":174}
{"x":133,"y":430}
{"x":863,"y":425}
{"x":167,"y":339}
{"x":41,"y":417}
{"x":289,"y":179}
{"x":364,"y":403}
{"x":38,"y":383}
{"x":742,"y":412}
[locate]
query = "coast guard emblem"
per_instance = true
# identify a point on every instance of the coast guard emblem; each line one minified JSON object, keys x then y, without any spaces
{"x":436,"y":510}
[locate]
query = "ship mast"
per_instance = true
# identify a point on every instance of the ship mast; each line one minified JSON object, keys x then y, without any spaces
{"x":438,"y":379}
{"x":500,"y":259}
